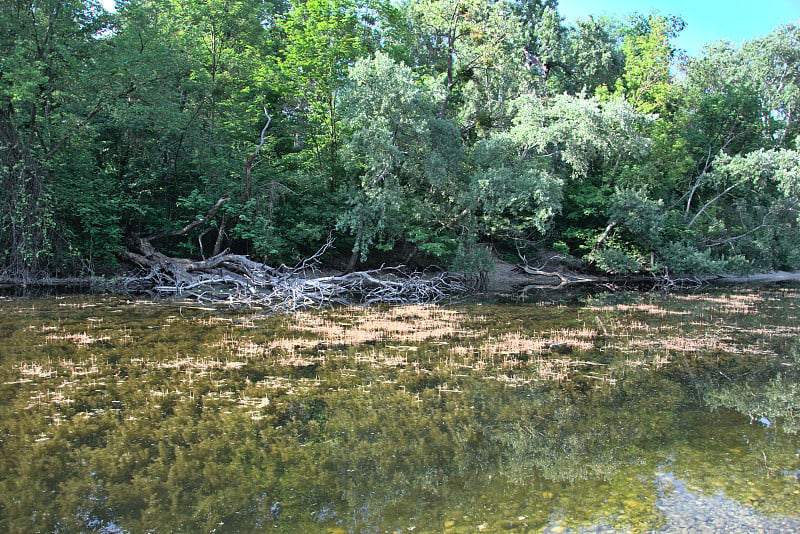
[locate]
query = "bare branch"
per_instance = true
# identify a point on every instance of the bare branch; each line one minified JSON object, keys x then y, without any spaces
{"x":711,"y":202}
{"x":191,"y":226}
{"x":248,"y":168}
{"x":764,"y":224}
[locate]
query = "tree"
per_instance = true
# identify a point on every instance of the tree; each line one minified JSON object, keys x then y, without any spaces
{"x":753,"y":210}
{"x":647,"y":81}
{"x":774,"y":65}
{"x":545,"y":42}
{"x":556,"y":145}
{"x":736,"y":203}
{"x":574,"y":132}
{"x":474,"y":47}
{"x":415,"y":127}
{"x":595,"y":56}
{"x":51,"y":56}
{"x":197,"y":72}
{"x":228,"y":44}
{"x":513,"y":195}
{"x":724,"y":103}
{"x":648,"y":186}
{"x":647,"y":84}
{"x":402,"y":158}
{"x":323,"y":39}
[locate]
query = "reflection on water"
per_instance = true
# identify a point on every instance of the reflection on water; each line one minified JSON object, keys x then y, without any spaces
{"x":622,"y":413}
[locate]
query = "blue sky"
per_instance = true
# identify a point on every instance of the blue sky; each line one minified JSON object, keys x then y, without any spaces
{"x":707,"y":21}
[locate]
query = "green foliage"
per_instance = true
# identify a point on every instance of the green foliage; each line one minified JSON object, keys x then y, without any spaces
{"x":682,"y":258}
{"x":472,"y":258}
{"x":614,"y":260}
{"x":578,"y":131}
{"x":398,"y":152}
{"x":546,"y":46}
{"x":773,"y":66}
{"x":747,"y":210}
{"x":513,"y":196}
{"x":408,"y":127}
{"x":595,"y":58}
{"x":645,"y":219}
{"x":646,"y":82}
{"x":472,"y":49}
{"x":48,"y":74}
{"x":322,"y":40}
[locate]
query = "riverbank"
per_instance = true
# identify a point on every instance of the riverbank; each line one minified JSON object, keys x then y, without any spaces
{"x":777,"y":276}
{"x":505,"y":279}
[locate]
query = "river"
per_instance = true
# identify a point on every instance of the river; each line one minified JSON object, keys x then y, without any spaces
{"x":618,"y":412}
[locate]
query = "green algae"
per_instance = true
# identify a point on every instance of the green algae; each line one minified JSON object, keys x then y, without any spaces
{"x":134,"y":416}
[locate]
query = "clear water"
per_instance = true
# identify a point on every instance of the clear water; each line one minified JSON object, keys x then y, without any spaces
{"x":618,"y":413}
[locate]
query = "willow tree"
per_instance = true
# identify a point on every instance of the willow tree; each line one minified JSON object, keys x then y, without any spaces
{"x":564,"y":141}
{"x":403,"y":160}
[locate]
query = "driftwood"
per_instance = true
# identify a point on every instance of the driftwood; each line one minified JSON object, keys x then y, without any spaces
{"x":239,"y":280}
{"x":536,"y":277}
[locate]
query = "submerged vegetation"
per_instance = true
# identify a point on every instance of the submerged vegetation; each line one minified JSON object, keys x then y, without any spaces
{"x":624,"y":410}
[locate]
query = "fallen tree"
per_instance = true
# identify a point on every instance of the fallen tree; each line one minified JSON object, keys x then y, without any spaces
{"x":239,"y":280}
{"x":526,"y":278}
{"x":538,"y":278}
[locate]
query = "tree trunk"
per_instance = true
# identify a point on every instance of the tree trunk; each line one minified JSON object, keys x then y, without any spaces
{"x":220,"y":235}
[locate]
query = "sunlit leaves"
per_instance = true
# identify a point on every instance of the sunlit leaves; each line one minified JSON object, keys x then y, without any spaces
{"x":646,"y":82}
{"x":322,"y":41}
{"x":578,"y":130}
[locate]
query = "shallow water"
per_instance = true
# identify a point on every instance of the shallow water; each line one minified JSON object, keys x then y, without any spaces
{"x":619,"y":413}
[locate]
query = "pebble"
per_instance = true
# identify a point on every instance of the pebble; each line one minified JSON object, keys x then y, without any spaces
{"x":686,"y":511}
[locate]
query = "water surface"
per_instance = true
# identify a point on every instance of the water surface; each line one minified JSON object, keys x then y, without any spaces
{"x":619,"y":413}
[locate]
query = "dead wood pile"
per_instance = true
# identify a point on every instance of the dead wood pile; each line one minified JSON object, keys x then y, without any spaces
{"x":239,"y":280}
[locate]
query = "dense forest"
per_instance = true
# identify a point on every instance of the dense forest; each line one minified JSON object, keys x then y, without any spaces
{"x":443,"y":132}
